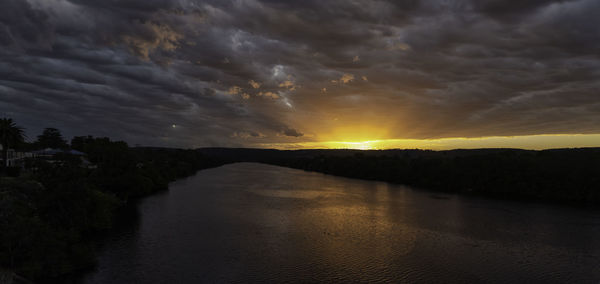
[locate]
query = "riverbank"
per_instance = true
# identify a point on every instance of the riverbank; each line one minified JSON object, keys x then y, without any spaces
{"x":232,"y":223}
{"x":9,"y":277}
{"x":52,"y":213}
{"x":568,"y":176}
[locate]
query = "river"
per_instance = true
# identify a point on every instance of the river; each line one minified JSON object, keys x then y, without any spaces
{"x":250,"y":222}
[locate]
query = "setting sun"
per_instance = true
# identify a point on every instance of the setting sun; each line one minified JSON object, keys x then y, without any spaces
{"x":279,"y":141}
{"x":533,"y":142}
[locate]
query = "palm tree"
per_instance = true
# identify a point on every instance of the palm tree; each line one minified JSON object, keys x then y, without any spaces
{"x":10,"y":136}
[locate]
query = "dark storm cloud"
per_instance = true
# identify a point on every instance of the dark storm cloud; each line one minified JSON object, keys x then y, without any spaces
{"x":21,"y":26}
{"x":291,"y":132}
{"x":235,"y":73}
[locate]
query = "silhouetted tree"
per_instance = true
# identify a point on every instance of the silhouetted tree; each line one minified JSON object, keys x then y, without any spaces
{"x":51,"y":138}
{"x":561,"y":175}
{"x":50,"y":217}
{"x":10,"y":136}
{"x":79,"y":143}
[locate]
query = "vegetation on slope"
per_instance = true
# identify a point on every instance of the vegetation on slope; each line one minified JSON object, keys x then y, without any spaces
{"x":560,"y":175}
{"x":52,"y":212}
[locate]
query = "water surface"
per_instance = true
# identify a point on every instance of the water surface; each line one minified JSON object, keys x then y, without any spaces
{"x":251,"y":222}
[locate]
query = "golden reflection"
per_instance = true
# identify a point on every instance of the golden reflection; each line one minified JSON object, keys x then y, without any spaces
{"x":298,"y":194}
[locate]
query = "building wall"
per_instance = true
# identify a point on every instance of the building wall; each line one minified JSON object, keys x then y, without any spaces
{"x":15,"y":158}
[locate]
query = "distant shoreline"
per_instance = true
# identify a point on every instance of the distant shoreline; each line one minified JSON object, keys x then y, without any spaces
{"x":567,"y":176}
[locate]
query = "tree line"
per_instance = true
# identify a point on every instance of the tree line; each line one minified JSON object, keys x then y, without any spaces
{"x":51,"y":213}
{"x":558,"y":175}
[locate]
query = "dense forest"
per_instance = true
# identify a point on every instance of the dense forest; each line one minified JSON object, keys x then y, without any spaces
{"x":51,"y":213}
{"x":559,"y":175}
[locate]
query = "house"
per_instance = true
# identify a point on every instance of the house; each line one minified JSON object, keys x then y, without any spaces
{"x":14,"y":158}
{"x":49,"y":154}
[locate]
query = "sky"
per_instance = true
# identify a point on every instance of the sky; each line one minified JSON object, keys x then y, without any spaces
{"x":365,"y":74}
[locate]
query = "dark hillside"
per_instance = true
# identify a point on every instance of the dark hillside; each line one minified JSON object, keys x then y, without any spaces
{"x":560,"y":175}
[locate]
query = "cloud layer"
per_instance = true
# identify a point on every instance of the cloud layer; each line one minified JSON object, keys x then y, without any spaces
{"x":246,"y":72}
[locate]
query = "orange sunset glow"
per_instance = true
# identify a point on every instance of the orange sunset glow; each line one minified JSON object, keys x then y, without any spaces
{"x":360,"y":75}
{"x":299,"y":141}
{"x":531,"y":142}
